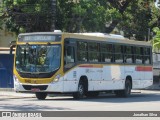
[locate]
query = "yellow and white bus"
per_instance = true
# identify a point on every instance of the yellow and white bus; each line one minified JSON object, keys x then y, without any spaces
{"x":82,"y":64}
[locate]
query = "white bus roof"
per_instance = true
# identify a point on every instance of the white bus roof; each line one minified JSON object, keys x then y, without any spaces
{"x":102,"y":35}
{"x":113,"y":38}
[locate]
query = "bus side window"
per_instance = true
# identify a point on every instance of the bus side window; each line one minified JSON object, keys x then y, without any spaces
{"x":139,"y":55}
{"x":69,"y":56}
{"x":147,"y":56}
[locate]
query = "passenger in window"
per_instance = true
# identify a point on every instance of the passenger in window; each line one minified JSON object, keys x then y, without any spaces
{"x":42,"y":59}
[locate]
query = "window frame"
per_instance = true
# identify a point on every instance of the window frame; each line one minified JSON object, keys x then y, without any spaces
{"x":102,"y":54}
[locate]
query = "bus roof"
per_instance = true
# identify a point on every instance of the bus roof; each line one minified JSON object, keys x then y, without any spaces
{"x":40,"y":33}
{"x":112,"y":38}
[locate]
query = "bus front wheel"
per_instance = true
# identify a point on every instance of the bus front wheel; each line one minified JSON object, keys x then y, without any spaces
{"x":80,"y":93}
{"x":41,"y":95}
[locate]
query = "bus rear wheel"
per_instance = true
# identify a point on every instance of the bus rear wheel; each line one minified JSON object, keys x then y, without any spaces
{"x":41,"y":95}
{"x":81,"y":90}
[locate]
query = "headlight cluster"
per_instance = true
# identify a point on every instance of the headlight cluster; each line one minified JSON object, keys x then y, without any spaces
{"x":15,"y":79}
{"x":56,"y":79}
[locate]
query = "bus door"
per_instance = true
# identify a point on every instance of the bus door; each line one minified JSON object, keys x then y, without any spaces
{"x":70,"y":77}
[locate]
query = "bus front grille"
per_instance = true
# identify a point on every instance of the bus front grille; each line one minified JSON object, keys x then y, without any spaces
{"x":30,"y":87}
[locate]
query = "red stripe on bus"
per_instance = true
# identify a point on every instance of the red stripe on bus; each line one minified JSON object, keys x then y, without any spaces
{"x":143,"y":68}
{"x":91,"y":66}
{"x":86,"y":66}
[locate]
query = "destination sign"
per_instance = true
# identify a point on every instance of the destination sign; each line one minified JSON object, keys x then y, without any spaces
{"x":39,"y":38}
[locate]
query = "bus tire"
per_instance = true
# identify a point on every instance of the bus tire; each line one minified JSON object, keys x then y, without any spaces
{"x":126,"y":92}
{"x":81,"y":91}
{"x":41,"y":95}
{"x":92,"y":94}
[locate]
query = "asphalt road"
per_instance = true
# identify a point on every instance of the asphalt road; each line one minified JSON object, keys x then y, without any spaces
{"x":145,"y":101}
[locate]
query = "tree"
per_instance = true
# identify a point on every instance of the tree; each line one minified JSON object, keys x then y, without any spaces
{"x":85,"y":15}
{"x":27,"y":15}
{"x":121,"y":6}
{"x":156,"y":39}
{"x":132,"y":17}
{"x":35,"y":15}
{"x":139,"y":17}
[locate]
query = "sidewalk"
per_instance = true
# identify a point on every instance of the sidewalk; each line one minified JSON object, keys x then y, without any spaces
{"x":10,"y":93}
{"x":154,"y":87}
{"x":146,"y":91}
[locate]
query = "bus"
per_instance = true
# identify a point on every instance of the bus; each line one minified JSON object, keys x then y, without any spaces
{"x":81,"y":64}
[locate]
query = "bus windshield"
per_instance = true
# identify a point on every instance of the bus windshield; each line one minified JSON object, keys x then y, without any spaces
{"x":37,"y":58}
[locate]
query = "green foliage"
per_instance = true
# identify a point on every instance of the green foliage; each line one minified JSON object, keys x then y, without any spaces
{"x":156,"y":39}
{"x":136,"y":17}
{"x":85,"y":15}
{"x":27,"y":15}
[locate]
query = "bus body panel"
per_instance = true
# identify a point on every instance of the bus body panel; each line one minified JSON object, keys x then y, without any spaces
{"x":71,"y":80}
{"x":56,"y":86}
{"x":113,"y":81}
{"x":110,"y":79}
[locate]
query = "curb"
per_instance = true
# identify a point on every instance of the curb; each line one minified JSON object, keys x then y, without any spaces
{"x":7,"y":89}
{"x":15,"y":95}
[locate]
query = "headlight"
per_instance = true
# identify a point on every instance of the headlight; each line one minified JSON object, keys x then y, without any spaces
{"x":15,"y":79}
{"x":57,"y":78}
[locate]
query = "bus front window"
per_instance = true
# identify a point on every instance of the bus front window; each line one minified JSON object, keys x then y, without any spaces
{"x":38,"y":58}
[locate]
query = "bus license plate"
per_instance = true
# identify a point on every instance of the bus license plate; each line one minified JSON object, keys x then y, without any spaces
{"x":35,"y":89}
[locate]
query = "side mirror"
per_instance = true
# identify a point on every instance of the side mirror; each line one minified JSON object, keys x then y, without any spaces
{"x":12,"y":45}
